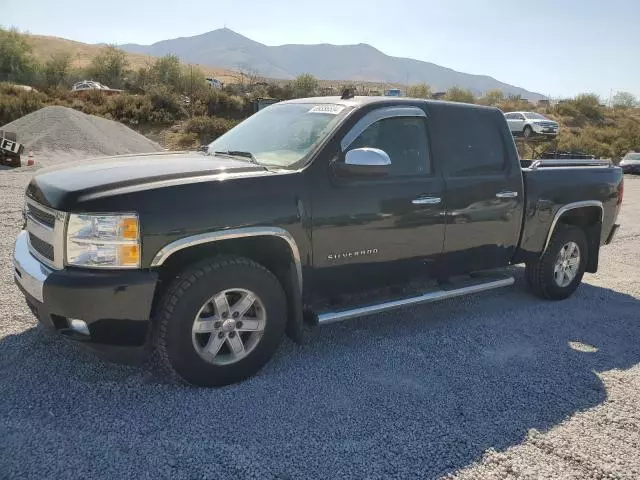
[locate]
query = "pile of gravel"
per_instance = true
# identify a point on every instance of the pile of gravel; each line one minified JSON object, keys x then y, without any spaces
{"x":62,"y":129}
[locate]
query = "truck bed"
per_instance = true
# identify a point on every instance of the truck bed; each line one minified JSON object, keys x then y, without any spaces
{"x":553,"y":184}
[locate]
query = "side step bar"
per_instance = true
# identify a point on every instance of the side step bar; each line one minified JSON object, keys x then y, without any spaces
{"x":434,"y":296}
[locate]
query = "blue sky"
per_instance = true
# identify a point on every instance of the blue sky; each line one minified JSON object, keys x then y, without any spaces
{"x":555,"y":47}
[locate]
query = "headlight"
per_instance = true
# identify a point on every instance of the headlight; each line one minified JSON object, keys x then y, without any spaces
{"x":103,"y":241}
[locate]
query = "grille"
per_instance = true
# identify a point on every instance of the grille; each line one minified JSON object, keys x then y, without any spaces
{"x":43,"y":248}
{"x":41,"y":216}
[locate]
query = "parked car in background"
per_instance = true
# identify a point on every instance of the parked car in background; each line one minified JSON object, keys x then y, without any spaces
{"x":630,"y":163}
{"x":530,"y":124}
{"x":214,"y":82}
{"x":86,"y":85}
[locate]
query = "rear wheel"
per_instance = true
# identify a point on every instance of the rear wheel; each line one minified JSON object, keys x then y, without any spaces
{"x":220,"y":322}
{"x":559,"y":271}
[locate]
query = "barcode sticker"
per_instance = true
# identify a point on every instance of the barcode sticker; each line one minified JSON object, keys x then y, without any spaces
{"x":327,"y":108}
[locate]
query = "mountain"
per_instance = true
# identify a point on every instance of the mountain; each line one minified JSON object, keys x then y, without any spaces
{"x":225,"y":48}
{"x":42,"y":47}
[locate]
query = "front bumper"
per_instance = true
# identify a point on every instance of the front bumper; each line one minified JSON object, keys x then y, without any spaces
{"x":545,"y":130}
{"x":115,"y":305}
{"x":631,"y":168}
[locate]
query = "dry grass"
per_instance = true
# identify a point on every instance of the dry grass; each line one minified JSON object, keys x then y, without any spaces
{"x":82,"y":53}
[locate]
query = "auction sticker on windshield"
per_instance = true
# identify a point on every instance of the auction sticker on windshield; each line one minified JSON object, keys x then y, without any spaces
{"x":327,"y":108}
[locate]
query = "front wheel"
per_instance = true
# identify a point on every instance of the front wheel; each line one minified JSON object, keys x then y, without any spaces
{"x":220,"y":322}
{"x":527,"y":132}
{"x":559,"y":271}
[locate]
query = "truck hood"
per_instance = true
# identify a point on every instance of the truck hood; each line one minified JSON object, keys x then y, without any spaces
{"x":53,"y":186}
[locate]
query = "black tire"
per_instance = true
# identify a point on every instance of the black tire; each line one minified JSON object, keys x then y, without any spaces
{"x":540,"y":273}
{"x":527,"y":132}
{"x":179,"y":306}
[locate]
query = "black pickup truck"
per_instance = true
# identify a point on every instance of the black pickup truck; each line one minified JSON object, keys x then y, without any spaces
{"x":309,"y":212}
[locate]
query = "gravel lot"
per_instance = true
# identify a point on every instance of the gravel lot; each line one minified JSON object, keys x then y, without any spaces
{"x":498,"y":385}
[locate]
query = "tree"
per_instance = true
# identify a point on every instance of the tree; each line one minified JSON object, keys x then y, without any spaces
{"x":420,"y":90}
{"x":588,"y":104}
{"x":15,"y":57}
{"x":492,"y":98}
{"x":193,"y":80}
{"x":109,"y":66}
{"x":168,"y":71}
{"x":305,"y":85}
{"x":56,"y":70}
{"x":624,"y":100}
{"x":457,"y":94}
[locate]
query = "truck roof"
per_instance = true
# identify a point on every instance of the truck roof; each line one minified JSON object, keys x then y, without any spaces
{"x":368,"y":100}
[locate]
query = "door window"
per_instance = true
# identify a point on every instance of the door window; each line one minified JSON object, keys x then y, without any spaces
{"x":468,"y":140}
{"x":404,"y":139}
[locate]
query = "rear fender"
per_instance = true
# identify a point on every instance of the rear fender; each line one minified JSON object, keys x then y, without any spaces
{"x":588,"y":215}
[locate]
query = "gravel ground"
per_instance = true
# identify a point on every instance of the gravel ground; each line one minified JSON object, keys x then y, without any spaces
{"x":497,"y":385}
{"x":64,"y":129}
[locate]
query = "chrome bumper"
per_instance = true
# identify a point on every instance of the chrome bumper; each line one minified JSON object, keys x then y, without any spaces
{"x":29,"y":273}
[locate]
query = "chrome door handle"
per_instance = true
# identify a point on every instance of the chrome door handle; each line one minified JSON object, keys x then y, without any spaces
{"x":426,"y":201}
{"x":507,"y":194}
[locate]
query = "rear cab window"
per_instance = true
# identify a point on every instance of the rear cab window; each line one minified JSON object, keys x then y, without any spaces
{"x":468,"y":141}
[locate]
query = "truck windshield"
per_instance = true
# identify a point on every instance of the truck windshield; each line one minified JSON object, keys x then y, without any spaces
{"x":281,"y":135}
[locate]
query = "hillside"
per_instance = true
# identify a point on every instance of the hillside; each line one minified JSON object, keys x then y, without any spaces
{"x":227,"y":49}
{"x":82,"y":53}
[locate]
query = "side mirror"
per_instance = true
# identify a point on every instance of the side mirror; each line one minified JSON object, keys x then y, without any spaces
{"x":364,"y":162}
{"x":203,"y":148}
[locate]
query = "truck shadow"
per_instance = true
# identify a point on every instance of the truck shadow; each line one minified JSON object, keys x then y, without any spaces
{"x":418,"y":392}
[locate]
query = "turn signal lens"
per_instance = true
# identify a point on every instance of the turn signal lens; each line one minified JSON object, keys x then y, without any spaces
{"x":129,"y":255}
{"x":129,"y":228}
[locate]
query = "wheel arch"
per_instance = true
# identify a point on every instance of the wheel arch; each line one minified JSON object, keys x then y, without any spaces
{"x":588,"y":215}
{"x":272,"y":247}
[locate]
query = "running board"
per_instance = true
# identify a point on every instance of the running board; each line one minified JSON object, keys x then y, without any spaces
{"x":433,"y":296}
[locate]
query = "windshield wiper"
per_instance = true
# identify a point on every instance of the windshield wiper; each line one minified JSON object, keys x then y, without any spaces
{"x":238,"y":153}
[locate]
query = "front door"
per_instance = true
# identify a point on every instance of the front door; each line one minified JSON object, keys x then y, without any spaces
{"x":516,"y":122}
{"x":370,"y":232}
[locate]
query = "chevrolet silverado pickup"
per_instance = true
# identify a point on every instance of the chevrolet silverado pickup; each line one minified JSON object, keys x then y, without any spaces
{"x":311,"y":211}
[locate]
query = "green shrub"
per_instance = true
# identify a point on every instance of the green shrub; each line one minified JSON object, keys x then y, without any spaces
{"x":492,"y":98}
{"x":208,"y":128}
{"x":16,"y":102}
{"x":16,"y":63}
{"x":126,"y":108}
{"x":166,"y":106}
{"x":588,"y":105}
{"x":221,"y":104}
{"x":305,"y":85}
{"x":420,"y":90}
{"x":455,"y":94}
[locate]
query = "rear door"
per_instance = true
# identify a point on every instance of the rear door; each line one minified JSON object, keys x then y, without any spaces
{"x":484,"y":187}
